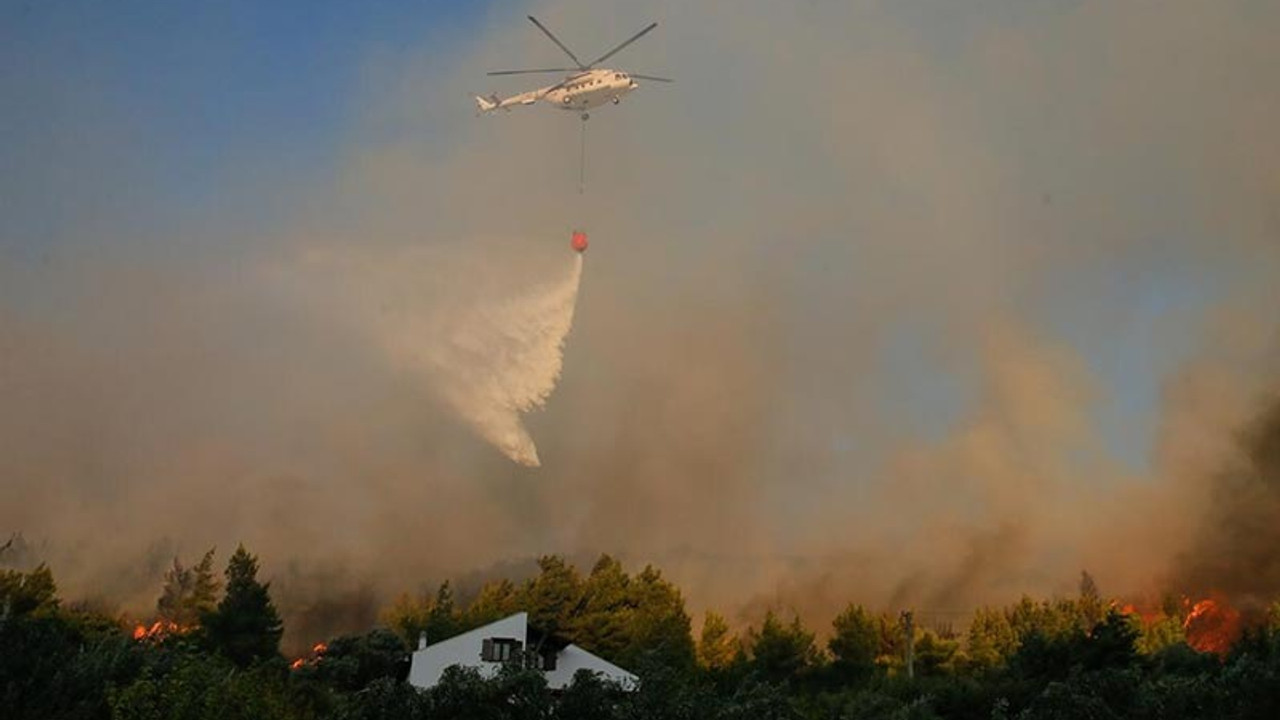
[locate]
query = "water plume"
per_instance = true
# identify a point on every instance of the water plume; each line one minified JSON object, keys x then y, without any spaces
{"x":502,"y":356}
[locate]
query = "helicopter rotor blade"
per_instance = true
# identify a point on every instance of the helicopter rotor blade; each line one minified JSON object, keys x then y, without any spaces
{"x":526,"y":72}
{"x":559,"y":44}
{"x":630,"y":40}
{"x":650,"y":77}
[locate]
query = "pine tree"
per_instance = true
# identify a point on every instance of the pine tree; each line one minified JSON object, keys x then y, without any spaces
{"x":661,"y":629}
{"x":23,"y":593}
{"x":855,"y":643}
{"x":443,"y":620}
{"x":205,"y":586}
{"x":781,"y":652}
{"x":497,"y":599}
{"x":189,"y":593}
{"x":935,"y":655}
{"x":409,"y":617}
{"x":606,"y":622}
{"x":175,"y":596}
{"x":1091,"y":605}
{"x":245,"y":626}
{"x":991,"y":638}
{"x":552,"y":597}
{"x":717,"y":649}
{"x":1088,"y":586}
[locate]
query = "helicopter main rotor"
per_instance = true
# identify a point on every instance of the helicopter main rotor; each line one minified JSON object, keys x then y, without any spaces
{"x":578,"y":63}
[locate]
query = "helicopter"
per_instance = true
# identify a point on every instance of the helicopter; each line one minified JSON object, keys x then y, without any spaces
{"x":585,"y":86}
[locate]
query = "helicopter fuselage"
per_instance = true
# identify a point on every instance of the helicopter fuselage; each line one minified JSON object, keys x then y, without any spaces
{"x":586,"y":86}
{"x":591,"y":89}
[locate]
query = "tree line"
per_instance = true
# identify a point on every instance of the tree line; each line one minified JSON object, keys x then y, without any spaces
{"x":213,"y":652}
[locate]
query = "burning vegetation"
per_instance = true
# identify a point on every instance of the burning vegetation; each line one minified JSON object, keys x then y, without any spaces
{"x":317,"y":651}
{"x":1027,"y":658}
{"x":1209,"y":625}
{"x":160,"y":630}
{"x":1212,"y":626}
{"x":1032,"y":658}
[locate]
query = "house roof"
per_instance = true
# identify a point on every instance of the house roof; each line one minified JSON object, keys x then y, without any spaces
{"x":545,"y":641}
{"x":465,"y":649}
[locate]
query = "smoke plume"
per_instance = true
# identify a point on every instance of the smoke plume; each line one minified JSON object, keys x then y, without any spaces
{"x":1233,"y":551}
{"x":891,"y":302}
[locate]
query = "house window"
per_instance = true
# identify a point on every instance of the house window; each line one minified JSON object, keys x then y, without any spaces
{"x":500,"y":649}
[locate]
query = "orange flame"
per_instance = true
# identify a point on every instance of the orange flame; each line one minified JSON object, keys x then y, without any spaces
{"x":159,"y":630}
{"x":316,"y":651}
{"x":1209,"y":625}
{"x":1212,"y":625}
{"x":1146,"y":615}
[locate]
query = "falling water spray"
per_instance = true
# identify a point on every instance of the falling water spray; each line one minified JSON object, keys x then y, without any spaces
{"x":503,"y":358}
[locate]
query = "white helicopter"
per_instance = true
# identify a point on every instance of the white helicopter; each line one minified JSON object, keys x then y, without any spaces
{"x":585,"y":87}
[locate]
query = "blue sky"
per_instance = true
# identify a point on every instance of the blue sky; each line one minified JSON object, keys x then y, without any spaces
{"x":186,"y":99}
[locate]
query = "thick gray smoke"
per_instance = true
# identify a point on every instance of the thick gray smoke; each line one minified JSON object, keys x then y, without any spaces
{"x":1234,"y":551}
{"x":903,"y":303}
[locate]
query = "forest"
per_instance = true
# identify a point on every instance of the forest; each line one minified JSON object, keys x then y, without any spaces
{"x":211,"y":649}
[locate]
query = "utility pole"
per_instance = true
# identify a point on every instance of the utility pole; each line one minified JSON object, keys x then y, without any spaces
{"x":909,"y":627}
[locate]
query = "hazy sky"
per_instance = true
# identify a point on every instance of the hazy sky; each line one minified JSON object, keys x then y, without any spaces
{"x":225,"y":114}
{"x":868,"y":280}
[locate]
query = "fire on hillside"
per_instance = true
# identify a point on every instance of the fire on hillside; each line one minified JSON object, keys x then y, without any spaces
{"x":317,"y":651}
{"x":1210,"y":625}
{"x":160,"y":630}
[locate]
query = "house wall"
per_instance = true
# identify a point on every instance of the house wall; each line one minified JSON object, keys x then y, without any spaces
{"x":573,"y":658}
{"x":429,"y":664}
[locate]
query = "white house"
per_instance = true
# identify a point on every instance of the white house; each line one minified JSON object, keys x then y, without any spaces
{"x":510,"y":640}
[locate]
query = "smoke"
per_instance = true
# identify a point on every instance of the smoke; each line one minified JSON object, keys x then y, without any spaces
{"x":1233,"y":550}
{"x":890,"y":303}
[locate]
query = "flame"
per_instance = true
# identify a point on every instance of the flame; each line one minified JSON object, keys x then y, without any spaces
{"x":1132,"y":611}
{"x":159,"y":630}
{"x":1147,"y":615}
{"x":1212,"y":625}
{"x":316,"y":651}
